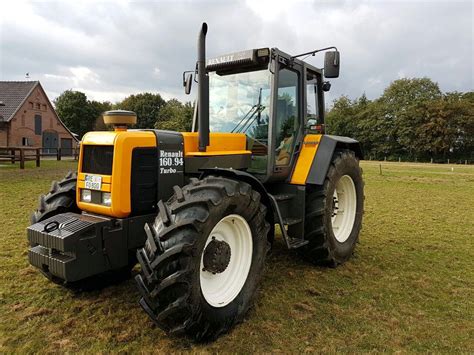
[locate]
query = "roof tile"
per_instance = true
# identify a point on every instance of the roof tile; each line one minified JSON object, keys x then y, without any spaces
{"x":12,"y":94}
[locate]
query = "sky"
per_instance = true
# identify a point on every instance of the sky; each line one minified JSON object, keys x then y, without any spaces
{"x":112,"y":49}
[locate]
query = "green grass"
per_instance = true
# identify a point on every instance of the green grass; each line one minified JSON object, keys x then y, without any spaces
{"x":409,"y":286}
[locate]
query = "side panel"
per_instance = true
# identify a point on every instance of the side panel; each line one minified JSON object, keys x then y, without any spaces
{"x":144,"y":183}
{"x":219,"y":144}
{"x":305,"y":159}
{"x":314,"y":159}
{"x":170,"y":162}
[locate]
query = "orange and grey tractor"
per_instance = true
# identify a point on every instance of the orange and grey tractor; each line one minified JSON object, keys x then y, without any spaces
{"x":197,"y":210}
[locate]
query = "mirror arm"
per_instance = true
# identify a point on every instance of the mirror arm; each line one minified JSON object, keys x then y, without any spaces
{"x":314,"y":52}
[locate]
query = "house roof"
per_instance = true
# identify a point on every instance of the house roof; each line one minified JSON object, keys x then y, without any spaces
{"x":13,"y":94}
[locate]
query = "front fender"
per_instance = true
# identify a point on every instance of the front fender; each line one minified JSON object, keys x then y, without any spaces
{"x":254,"y":182}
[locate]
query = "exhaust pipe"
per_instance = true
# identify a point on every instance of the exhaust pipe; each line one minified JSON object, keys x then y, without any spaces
{"x":203,"y":91}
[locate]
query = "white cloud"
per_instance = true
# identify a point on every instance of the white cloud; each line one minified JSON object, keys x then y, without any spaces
{"x":112,"y":49}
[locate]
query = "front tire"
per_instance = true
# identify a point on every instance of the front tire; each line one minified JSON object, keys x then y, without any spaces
{"x":334,"y":212}
{"x":202,"y":263}
{"x":61,"y":198}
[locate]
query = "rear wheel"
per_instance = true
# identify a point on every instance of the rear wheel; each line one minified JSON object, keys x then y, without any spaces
{"x":334,"y":212}
{"x":202,"y":262}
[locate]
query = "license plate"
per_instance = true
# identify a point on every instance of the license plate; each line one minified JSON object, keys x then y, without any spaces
{"x":93,"y":182}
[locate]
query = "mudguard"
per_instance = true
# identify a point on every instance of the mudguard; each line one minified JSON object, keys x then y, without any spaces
{"x":254,"y":182}
{"x":324,"y":153}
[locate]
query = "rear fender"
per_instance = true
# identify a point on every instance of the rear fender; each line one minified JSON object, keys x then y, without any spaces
{"x":323,"y":157}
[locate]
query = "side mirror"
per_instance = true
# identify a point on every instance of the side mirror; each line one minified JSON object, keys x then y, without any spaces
{"x":187,"y":83}
{"x":331,"y":64}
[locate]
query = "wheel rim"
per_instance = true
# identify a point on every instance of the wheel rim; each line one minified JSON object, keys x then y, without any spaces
{"x":344,"y":208}
{"x":219,"y":288}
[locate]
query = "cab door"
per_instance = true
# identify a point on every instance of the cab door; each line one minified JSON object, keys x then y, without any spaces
{"x":288,"y":115}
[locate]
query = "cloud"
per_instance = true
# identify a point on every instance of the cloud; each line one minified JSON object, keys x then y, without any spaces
{"x":112,"y":49}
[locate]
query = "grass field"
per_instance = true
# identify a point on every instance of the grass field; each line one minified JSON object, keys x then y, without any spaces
{"x":409,"y":286}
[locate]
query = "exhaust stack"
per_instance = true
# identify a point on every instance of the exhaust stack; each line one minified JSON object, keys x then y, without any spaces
{"x":203,"y":91}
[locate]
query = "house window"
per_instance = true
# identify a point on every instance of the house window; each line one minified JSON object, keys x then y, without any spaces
{"x":31,"y":104}
{"x":38,"y":106}
{"x":25,"y":142}
{"x":43,"y":107}
{"x":38,"y":124}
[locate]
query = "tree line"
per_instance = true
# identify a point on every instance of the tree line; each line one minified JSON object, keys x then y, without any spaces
{"x":82,"y":115}
{"x":411,"y":120}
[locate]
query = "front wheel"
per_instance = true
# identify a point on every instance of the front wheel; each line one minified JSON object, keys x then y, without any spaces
{"x":334,"y":212}
{"x":204,"y":257}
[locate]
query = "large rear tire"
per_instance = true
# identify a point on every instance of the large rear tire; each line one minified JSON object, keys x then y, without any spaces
{"x":334,"y":212}
{"x":202,"y":263}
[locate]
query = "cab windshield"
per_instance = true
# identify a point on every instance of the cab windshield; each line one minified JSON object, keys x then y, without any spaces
{"x":239,"y":103}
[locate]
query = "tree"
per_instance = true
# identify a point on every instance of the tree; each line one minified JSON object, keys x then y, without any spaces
{"x":340,"y":120}
{"x":98,"y":108}
{"x":147,"y":107}
{"x":175,"y":116}
{"x":398,"y":102}
{"x":445,"y":128}
{"x":75,"y":111}
{"x":412,"y":118}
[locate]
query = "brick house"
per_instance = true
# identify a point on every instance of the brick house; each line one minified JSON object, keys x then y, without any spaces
{"x":28,"y":119}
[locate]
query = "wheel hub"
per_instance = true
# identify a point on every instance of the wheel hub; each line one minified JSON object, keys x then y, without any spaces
{"x":216,"y":256}
{"x":335,"y":205}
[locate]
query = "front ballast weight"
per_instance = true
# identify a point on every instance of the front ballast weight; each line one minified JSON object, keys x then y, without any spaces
{"x":70,"y":247}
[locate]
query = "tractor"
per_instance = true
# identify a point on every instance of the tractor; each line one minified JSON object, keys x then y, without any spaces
{"x":198,"y":210}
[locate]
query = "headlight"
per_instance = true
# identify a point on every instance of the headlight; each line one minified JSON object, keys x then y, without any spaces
{"x":106,"y":199}
{"x":86,"y":195}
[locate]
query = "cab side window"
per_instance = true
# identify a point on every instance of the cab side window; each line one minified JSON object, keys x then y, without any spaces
{"x":287,"y":116}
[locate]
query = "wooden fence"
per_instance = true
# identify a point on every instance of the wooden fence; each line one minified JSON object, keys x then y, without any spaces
{"x":23,"y":154}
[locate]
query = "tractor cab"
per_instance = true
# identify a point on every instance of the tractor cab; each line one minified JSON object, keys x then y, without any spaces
{"x":271,"y":97}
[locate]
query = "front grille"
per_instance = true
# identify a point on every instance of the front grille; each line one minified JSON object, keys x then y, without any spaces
{"x":97,"y":159}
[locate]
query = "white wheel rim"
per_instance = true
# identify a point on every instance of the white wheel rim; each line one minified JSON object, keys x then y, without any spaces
{"x":344,"y":208}
{"x":220,"y":289}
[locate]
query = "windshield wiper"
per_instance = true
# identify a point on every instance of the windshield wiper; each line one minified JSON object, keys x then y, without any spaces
{"x":249,"y":117}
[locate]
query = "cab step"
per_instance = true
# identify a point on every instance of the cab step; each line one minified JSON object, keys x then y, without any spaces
{"x":292,"y":221}
{"x":283,"y":197}
{"x":294,"y":243}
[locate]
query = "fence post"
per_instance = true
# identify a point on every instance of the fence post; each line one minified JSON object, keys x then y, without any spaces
{"x":448,"y":160}
{"x":431,"y":160}
{"x":13,"y":155}
{"x":399,"y":159}
{"x":22,"y":158}
{"x":58,"y":154}
{"x":465,"y":162}
{"x":38,"y":157}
